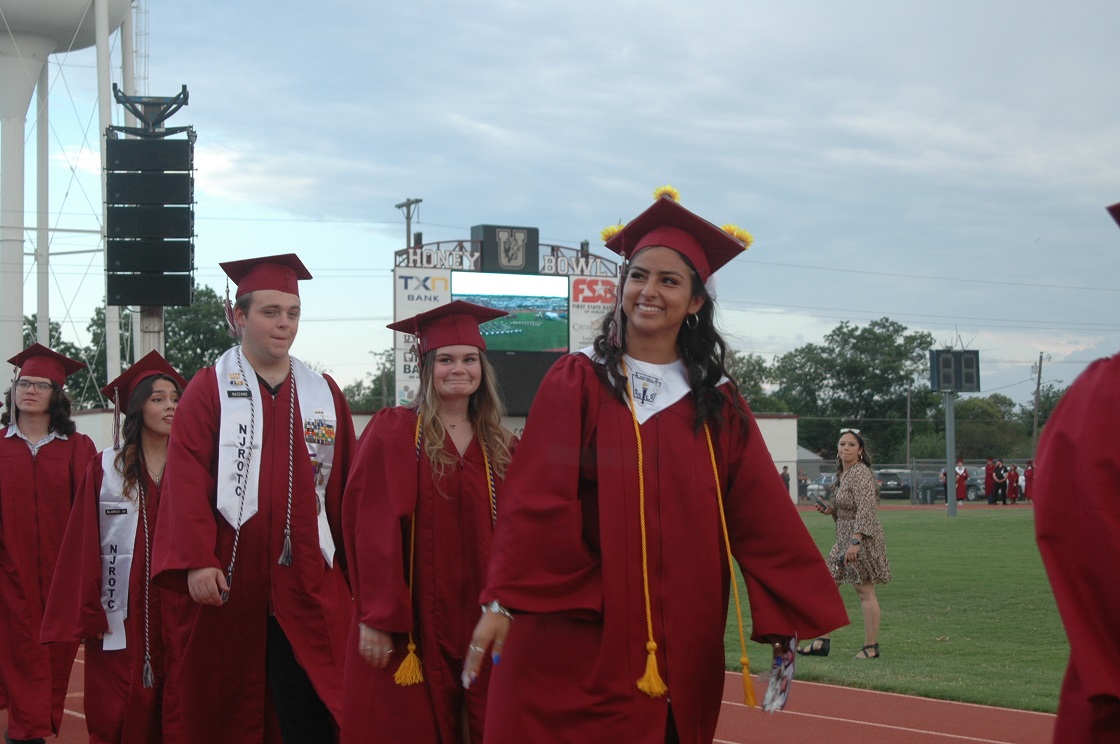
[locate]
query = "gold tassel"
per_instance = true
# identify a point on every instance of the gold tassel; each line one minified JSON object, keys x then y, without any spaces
{"x":409,"y":672}
{"x":651,"y":682}
{"x":748,"y":684}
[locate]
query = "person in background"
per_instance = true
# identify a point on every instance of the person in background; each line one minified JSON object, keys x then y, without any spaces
{"x":418,"y":539}
{"x":990,"y":481}
{"x":859,"y":556}
{"x":999,"y":477}
{"x":1028,"y":481}
{"x":1013,"y":483}
{"x":105,"y":597}
{"x":641,"y":473}
{"x":250,"y":527}
{"x":42,"y":460}
{"x":961,"y":474}
{"x":785,"y":476}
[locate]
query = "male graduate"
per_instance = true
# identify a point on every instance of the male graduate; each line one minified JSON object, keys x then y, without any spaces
{"x":250,"y":527}
{"x":1077,"y":521}
{"x":42,"y":460}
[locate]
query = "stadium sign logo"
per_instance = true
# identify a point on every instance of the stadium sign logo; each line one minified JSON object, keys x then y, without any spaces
{"x":511,"y":248}
{"x":593,"y":290}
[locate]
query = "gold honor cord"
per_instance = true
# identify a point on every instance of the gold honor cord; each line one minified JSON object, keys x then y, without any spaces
{"x":650,"y":683}
{"x":410,"y":672}
{"x":748,"y":685}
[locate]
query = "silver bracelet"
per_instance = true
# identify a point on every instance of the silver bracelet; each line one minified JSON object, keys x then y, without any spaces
{"x":495,"y":606}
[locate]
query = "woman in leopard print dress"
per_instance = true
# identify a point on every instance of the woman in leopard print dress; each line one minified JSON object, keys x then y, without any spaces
{"x":859,"y":556}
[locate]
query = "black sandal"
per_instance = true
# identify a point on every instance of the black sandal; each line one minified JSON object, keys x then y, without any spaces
{"x":814,"y":650}
{"x":865,"y":652}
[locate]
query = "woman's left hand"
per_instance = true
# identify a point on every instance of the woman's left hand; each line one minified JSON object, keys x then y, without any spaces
{"x":851,"y":554}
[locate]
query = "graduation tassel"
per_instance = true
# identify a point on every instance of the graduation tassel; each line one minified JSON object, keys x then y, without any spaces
{"x":651,"y":682}
{"x":286,"y":552}
{"x":409,"y":672}
{"x":147,"y":676}
{"x":748,"y":684}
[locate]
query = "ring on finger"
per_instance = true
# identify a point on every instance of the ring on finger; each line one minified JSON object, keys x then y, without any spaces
{"x":385,"y":651}
{"x":477,"y":649}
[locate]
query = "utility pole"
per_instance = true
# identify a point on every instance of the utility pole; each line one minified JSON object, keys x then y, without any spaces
{"x":406,"y":207}
{"x":1037,"y":395}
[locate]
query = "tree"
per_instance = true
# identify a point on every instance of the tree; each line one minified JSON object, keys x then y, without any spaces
{"x":197,"y":335}
{"x":377,"y":389}
{"x":857,"y":377}
{"x":751,"y":372}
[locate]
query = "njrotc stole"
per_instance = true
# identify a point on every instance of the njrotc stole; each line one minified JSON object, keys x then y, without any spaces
{"x":118,"y":517}
{"x":240,"y":436}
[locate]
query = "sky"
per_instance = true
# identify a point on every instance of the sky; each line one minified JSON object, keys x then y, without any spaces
{"x":944,"y":164}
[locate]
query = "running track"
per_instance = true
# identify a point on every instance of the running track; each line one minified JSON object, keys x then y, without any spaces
{"x":815,"y":712}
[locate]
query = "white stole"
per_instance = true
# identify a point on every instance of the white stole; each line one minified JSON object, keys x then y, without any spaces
{"x":239,"y":465}
{"x":118,"y":518}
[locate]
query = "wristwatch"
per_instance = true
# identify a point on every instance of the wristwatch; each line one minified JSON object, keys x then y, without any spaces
{"x":495,"y":606}
{"x":855,"y":541}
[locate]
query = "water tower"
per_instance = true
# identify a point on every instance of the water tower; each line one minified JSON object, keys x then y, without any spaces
{"x":32,"y":31}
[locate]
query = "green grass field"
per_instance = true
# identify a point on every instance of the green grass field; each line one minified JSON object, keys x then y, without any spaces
{"x":968,"y":616}
{"x":527,"y":331}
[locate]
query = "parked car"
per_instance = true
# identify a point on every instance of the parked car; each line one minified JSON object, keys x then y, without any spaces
{"x":822,"y":486}
{"x":893,"y":484}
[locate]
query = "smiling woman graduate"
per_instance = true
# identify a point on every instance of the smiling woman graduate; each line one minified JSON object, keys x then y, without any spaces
{"x":640,"y":474}
{"x":418,"y":513}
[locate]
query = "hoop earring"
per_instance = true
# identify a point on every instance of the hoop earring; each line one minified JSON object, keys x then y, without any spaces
{"x":692,"y":321}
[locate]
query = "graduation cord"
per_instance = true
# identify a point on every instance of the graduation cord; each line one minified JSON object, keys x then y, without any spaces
{"x":744,"y":661}
{"x":650,"y":683}
{"x":147,"y":677}
{"x":286,"y":553}
{"x":410,"y":672}
{"x":490,"y":490}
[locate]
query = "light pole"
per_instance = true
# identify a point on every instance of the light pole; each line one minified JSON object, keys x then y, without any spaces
{"x":406,"y":207}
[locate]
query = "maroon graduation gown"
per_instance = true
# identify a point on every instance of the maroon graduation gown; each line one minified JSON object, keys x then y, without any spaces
{"x":118,"y":708}
{"x":35,"y":498}
{"x":453,"y":529}
{"x":1076,"y":499}
{"x":567,"y":554}
{"x":223,"y":683}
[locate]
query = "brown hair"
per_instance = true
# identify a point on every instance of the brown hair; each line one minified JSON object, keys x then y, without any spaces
{"x":130,"y":460}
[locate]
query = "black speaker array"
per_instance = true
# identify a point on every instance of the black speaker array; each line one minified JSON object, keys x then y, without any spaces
{"x":149,"y":221}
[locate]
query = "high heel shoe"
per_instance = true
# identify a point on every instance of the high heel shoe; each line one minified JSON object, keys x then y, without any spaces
{"x":813,"y":649}
{"x":866,"y":651}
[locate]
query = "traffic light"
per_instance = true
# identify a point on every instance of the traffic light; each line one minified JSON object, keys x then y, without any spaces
{"x":149,"y":221}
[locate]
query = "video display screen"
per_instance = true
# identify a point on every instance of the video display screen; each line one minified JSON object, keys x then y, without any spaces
{"x":537,"y":307}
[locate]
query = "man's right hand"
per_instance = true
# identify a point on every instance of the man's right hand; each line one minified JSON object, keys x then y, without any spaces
{"x":206,"y":585}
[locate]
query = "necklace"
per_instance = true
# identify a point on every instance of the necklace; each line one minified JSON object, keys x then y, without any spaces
{"x":157,"y":477}
{"x":451,"y":425}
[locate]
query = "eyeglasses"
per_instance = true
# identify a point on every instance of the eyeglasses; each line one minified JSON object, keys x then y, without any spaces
{"x":849,"y":431}
{"x":24,"y":385}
